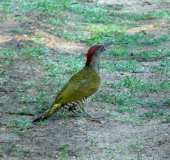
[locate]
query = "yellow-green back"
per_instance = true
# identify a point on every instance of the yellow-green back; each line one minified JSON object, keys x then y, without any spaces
{"x":83,"y":84}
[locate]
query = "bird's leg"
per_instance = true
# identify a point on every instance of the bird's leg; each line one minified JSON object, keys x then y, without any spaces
{"x":79,"y":111}
{"x":86,"y":115}
{"x":81,"y":108}
{"x":90,"y":116}
{"x":81,"y":114}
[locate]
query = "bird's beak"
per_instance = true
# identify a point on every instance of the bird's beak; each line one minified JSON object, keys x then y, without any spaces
{"x":107,"y":44}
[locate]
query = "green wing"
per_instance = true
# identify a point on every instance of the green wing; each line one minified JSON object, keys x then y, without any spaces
{"x":83,"y":84}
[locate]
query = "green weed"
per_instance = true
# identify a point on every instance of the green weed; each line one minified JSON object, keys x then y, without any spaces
{"x":105,"y":29}
{"x":120,"y":66}
{"x":64,"y":150}
{"x":153,"y":114}
{"x":151,"y":56}
{"x":166,"y":120}
{"x":63,"y":114}
{"x":120,"y":99}
{"x":93,"y":142}
{"x":50,"y":154}
{"x":34,"y":51}
{"x":7,"y":6}
{"x":130,"y":119}
{"x":25,"y":111}
{"x":136,"y":144}
{"x":154,"y":103}
{"x":118,"y":52}
{"x":21,"y":123}
{"x":135,"y":84}
{"x":66,"y":64}
{"x":123,"y":108}
{"x":164,"y":66}
{"x":92,"y":14}
{"x":16,"y":152}
{"x":112,"y":113}
{"x":8,"y":54}
{"x":137,"y":17}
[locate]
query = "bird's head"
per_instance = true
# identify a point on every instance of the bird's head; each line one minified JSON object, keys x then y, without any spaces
{"x":95,"y":52}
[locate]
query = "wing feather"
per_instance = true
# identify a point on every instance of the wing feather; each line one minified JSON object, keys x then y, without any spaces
{"x":83,"y":84}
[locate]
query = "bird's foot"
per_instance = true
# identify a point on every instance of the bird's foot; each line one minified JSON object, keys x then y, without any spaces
{"x":85,"y":115}
{"x":81,"y":114}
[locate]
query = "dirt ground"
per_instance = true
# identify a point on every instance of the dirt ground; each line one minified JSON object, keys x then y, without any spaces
{"x":81,"y":138}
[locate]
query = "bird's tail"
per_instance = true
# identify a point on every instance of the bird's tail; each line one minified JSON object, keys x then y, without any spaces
{"x":49,"y":112}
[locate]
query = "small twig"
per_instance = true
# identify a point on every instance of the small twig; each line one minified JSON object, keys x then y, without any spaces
{"x":17,"y":113}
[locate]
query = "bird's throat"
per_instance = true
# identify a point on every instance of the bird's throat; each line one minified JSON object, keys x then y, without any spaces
{"x":95,"y":66}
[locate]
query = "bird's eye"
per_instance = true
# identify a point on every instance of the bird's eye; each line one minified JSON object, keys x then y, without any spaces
{"x":102,"y":49}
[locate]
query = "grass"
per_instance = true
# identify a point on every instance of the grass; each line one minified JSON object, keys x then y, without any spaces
{"x":19,"y":123}
{"x":118,"y":53}
{"x":25,"y":111}
{"x":166,"y":120}
{"x":34,"y":51}
{"x":132,"y":119}
{"x":64,"y":150}
{"x":131,"y":66}
{"x":103,"y":31}
{"x":153,"y":114}
{"x":134,"y":84}
{"x":164,"y":66}
{"x":137,"y":39}
{"x":151,"y":55}
{"x":151,"y":15}
{"x":37,"y":53}
{"x":16,"y":153}
{"x":154,"y":103}
{"x":20,"y":126}
{"x":93,"y":142}
{"x":136,"y":144}
{"x":32,"y":74}
{"x":120,"y":99}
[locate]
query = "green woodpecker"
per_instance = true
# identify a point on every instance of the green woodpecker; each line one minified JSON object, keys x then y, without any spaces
{"x":76,"y":94}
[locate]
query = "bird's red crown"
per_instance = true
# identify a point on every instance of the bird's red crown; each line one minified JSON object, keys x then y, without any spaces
{"x":91,"y":52}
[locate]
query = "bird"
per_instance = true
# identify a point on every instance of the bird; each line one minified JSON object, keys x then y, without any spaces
{"x":77,"y":93}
